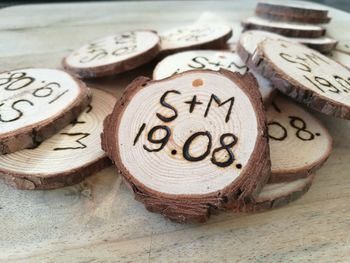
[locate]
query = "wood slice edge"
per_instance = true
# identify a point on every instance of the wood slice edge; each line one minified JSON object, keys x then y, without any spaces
{"x":282,"y":200}
{"x":195,"y":208}
{"x":290,"y":10}
{"x":289,"y":32}
{"x":33,"y":182}
{"x":290,"y":18}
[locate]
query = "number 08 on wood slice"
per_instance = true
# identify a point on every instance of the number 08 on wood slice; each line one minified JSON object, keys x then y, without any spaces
{"x":190,"y":143}
{"x":113,"y":54}
{"x":35,"y":104}
{"x":66,"y":158}
{"x":299,"y":143}
{"x":305,"y":75}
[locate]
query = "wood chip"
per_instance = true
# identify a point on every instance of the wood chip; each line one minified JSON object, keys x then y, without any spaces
{"x":181,"y":153}
{"x":67,"y":157}
{"x":195,"y":36}
{"x":305,"y":75}
{"x":299,"y":143}
{"x":113,"y":54}
{"x":213,"y":60}
{"x":35,"y":104}
{"x":284,"y":28}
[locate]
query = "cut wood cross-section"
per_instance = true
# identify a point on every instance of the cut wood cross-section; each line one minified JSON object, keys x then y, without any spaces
{"x":213,"y":60}
{"x":305,"y":75}
{"x":35,"y":104}
{"x":190,"y":143}
{"x":292,"y":12}
{"x":66,"y":158}
{"x":284,"y":28}
{"x":113,"y":54}
{"x":195,"y":36}
{"x":299,"y":143}
{"x":275,"y":195}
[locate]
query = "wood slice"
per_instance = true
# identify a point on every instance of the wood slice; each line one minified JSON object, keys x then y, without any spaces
{"x":35,"y":104}
{"x":284,"y":28}
{"x":209,"y":59}
{"x":195,"y":36}
{"x":341,"y":57}
{"x":305,"y":75}
{"x":66,"y":158}
{"x":322,"y":44}
{"x":173,"y":154}
{"x":299,"y":143}
{"x":113,"y":54}
{"x":293,"y":19}
{"x":275,"y":195}
{"x":249,"y":41}
{"x":292,"y":12}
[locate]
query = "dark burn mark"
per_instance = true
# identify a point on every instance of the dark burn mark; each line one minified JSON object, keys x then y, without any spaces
{"x":78,"y":141}
{"x":218,"y":102}
{"x":139,"y":133}
{"x":193,"y":103}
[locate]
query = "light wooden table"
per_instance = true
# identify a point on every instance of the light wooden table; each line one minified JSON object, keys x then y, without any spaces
{"x":98,"y":220}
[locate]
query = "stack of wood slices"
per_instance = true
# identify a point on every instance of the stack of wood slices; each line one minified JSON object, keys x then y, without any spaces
{"x":304,"y":25}
{"x":216,"y":129}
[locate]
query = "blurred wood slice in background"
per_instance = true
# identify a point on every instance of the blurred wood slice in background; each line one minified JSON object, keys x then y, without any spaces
{"x":292,"y":12}
{"x":288,"y":29}
{"x":195,"y":36}
{"x":113,"y":54}
{"x":213,"y":60}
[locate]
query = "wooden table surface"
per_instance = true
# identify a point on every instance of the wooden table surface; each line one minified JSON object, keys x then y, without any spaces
{"x":99,"y":221}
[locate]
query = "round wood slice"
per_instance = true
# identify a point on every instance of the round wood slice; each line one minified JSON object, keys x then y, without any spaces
{"x":284,"y":28}
{"x":195,"y":36}
{"x":113,"y":54}
{"x":341,"y":57}
{"x":293,"y":19}
{"x":295,"y":12}
{"x":166,"y":139}
{"x":305,"y":75}
{"x":322,"y":44}
{"x":209,"y":59}
{"x":67,"y":157}
{"x":35,"y":104}
{"x":299,"y":143}
{"x":249,"y":41}
{"x":275,"y":195}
